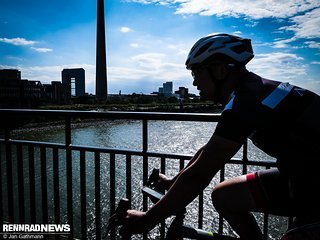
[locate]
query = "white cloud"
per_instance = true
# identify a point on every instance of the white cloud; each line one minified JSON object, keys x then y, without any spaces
{"x":311,"y":85}
{"x":149,"y":60}
{"x":250,"y":8}
{"x":159,"y":66}
{"x":313,"y":44}
{"x":283,"y":43}
{"x":149,"y":67}
{"x":134,"y":45}
{"x":279,"y":66}
{"x":17,"y":41}
{"x":125,"y":29}
{"x":306,"y":25}
{"x":304,"y":14}
{"x":237,"y":33}
{"x":284,"y":67}
{"x":42,"y":50}
{"x":24,"y":42}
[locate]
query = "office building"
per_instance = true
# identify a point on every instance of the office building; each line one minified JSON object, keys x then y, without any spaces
{"x":74,"y":82}
{"x":182,"y":92}
{"x":17,"y":92}
{"x":166,"y":89}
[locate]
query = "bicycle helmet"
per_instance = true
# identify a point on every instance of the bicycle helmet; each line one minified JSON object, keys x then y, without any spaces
{"x":225,"y":47}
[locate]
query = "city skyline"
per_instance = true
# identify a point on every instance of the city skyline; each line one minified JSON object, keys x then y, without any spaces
{"x":74,"y":79}
{"x":148,"y":41}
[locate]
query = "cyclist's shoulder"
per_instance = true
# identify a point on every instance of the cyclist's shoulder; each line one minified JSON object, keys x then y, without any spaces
{"x":251,"y":87}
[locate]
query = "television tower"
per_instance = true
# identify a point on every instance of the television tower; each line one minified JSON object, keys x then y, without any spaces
{"x":101,"y":65}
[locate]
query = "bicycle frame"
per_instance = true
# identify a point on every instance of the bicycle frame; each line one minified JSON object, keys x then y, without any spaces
{"x":177,"y":229}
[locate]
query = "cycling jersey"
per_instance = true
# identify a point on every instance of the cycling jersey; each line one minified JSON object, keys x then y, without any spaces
{"x":283,"y":121}
{"x":279,"y":118}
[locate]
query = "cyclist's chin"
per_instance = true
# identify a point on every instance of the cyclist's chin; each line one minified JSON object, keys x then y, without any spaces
{"x":206,"y":96}
{"x":202,"y":96}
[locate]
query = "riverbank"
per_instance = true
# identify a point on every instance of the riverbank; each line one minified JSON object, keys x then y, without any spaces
{"x":203,"y":107}
{"x":49,"y":123}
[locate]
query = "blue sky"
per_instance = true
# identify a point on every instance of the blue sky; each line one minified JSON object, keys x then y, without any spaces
{"x":148,"y":40}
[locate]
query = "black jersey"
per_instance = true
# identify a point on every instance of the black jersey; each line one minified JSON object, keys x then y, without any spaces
{"x":280,"y":118}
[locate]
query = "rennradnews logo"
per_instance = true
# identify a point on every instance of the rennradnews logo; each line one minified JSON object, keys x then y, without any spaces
{"x":43,"y":228}
{"x":33,"y":231}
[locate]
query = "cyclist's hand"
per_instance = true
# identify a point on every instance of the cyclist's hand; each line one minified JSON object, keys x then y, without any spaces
{"x":164,"y":182}
{"x":136,"y":222}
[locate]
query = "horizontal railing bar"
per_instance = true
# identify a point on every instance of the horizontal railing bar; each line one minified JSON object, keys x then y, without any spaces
{"x":264,"y":163}
{"x":74,"y":147}
{"x":35,"y":143}
{"x":202,"y":117}
{"x":268,"y":163}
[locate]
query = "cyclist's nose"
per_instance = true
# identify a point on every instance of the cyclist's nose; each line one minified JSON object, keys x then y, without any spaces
{"x":195,"y":82}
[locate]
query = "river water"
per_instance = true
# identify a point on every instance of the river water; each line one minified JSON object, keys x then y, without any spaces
{"x":163,"y":136}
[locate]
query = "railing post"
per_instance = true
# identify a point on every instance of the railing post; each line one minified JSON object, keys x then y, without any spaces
{"x":44,"y":189}
{"x":69,"y":174}
{"x":56,"y":185}
{"x":220,"y":230}
{"x":245,"y":158}
{"x":112,"y":195}
{"x":97,"y":181}
{"x":163,"y":223}
{"x":20,"y":183}
{"x":32,"y":184}
{"x":83,"y":195}
{"x":145,"y":149}
{"x":163,"y":165}
{"x":128,"y":178}
{"x":9,"y":175}
{"x":1,"y":194}
{"x":265,"y":224}
{"x":145,"y":162}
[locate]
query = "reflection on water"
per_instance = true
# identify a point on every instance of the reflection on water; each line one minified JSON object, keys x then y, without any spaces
{"x":163,"y":136}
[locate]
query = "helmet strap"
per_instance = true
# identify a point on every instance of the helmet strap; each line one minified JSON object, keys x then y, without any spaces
{"x":220,"y":82}
{"x":216,"y":82}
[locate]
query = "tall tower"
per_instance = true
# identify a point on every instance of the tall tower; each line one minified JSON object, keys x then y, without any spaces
{"x":101,"y":65}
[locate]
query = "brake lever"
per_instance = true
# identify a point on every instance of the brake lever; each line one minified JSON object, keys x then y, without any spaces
{"x":120,"y":213}
{"x":153,"y":178}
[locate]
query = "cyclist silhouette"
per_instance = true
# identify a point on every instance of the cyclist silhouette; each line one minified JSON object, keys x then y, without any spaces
{"x":279,"y":118}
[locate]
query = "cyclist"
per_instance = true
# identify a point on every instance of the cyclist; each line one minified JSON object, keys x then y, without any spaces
{"x":279,"y":118}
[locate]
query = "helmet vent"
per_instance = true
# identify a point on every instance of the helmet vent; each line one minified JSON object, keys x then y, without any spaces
{"x":203,"y":49}
{"x":238,"y":49}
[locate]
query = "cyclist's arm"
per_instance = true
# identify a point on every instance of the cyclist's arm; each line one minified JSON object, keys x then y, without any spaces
{"x":194,"y":178}
{"x":190,"y":162}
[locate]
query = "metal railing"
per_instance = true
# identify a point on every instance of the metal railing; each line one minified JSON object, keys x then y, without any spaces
{"x":22,"y":190}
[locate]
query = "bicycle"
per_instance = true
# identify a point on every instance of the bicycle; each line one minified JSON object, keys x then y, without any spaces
{"x":178,"y":230}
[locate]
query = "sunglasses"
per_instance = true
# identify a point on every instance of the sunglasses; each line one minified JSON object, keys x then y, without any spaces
{"x":197,"y":71}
